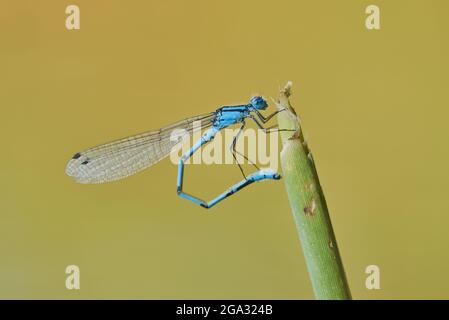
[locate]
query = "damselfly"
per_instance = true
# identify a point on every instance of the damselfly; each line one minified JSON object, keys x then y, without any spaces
{"x":121,"y":158}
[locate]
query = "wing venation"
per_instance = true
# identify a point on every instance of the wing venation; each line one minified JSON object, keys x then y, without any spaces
{"x":121,"y":158}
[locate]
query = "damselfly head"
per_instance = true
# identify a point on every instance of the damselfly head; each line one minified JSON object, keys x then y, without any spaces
{"x":259,"y":103}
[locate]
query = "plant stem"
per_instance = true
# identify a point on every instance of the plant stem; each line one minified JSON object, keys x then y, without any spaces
{"x":309,"y":207}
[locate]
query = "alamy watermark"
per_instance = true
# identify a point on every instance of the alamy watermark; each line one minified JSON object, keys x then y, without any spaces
{"x":72,"y":282}
{"x":372,"y":21}
{"x":252,"y":146}
{"x":372,"y":282}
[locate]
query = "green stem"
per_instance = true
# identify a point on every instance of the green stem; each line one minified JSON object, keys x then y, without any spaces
{"x":309,"y":207}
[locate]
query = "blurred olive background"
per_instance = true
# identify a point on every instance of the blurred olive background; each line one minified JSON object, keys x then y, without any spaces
{"x":374,"y":106}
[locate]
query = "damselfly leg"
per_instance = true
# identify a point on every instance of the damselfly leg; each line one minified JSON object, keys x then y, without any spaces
{"x":234,"y":151}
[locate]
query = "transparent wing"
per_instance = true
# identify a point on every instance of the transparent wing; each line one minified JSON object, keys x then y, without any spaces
{"x":121,"y":158}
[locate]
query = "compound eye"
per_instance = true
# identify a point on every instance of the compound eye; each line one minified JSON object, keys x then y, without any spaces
{"x":255,"y":100}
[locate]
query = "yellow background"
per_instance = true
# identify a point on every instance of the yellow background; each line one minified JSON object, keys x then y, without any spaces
{"x":374,"y":108}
